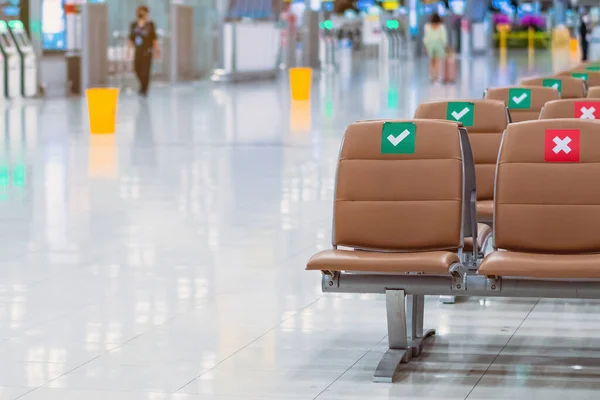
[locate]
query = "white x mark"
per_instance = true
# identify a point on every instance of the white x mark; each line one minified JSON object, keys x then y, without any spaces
{"x":588,"y":113}
{"x":561,"y":145}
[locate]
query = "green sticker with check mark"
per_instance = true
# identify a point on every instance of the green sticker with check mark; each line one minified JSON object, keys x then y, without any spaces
{"x":553,"y":83}
{"x":461,"y":111}
{"x":398,"y":138}
{"x":519,"y":98}
{"x":580,"y":75}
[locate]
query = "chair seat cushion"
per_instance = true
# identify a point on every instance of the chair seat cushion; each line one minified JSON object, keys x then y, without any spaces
{"x":434,"y":262}
{"x":483,"y":232}
{"x":485,"y":210}
{"x":509,"y":263}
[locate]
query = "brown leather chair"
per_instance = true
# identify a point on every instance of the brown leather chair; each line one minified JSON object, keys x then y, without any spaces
{"x":593,"y":93}
{"x":522,"y":109}
{"x":592,"y":78}
{"x":547,"y":204}
{"x":399,"y":213}
{"x":572,"y":88}
{"x":572,"y":108}
{"x":585,"y":65}
{"x":404,"y":201}
{"x":489,"y":121}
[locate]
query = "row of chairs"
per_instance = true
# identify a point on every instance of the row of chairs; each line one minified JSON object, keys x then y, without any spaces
{"x":416,"y":202}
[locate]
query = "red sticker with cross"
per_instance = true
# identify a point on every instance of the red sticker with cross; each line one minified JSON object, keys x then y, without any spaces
{"x":562,"y":145}
{"x":587,"y":110}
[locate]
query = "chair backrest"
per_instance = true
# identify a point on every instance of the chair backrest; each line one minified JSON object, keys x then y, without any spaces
{"x":568,"y":87}
{"x":572,"y":108}
{"x":594,"y":93}
{"x":399,"y":186}
{"x":485,"y":121}
{"x":588,"y":66}
{"x":547,"y":198}
{"x":591,"y":77}
{"x":523,"y":102}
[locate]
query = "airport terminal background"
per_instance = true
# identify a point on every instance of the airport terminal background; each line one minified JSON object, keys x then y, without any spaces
{"x":167,"y":260}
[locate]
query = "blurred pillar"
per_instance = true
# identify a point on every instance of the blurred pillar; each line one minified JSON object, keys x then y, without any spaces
{"x":476,"y":29}
{"x":310,"y":41}
{"x":560,"y":12}
{"x":34,"y":27}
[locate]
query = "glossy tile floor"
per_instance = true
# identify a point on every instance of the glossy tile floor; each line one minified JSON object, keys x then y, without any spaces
{"x":167,"y":262}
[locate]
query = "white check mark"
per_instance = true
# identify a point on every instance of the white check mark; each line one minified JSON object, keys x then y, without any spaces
{"x":519,"y":99}
{"x":395,"y":140}
{"x":458,"y":116}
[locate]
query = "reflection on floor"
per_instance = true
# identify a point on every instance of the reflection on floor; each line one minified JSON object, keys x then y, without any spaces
{"x":167,"y":262}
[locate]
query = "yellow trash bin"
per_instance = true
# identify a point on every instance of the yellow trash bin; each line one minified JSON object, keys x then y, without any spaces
{"x":574,"y":45}
{"x":300,"y":83}
{"x":102,"y":109}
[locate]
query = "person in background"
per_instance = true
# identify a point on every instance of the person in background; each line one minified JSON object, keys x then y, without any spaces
{"x":144,"y":43}
{"x":435,"y":40}
{"x":584,"y":34}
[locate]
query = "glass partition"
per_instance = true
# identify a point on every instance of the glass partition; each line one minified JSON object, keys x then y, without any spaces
{"x":122,"y":13}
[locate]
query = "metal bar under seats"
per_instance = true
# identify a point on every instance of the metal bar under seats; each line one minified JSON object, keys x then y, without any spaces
{"x":399,"y":351}
{"x":471,"y":285}
{"x":448,"y":299}
{"x":416,"y":311}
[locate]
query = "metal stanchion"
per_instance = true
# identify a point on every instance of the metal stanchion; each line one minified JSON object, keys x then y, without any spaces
{"x":118,"y":62}
{"x":393,"y":46}
{"x":384,"y":47}
{"x":328,"y":49}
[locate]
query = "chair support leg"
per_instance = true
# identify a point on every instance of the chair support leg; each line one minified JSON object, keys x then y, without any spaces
{"x":399,"y":350}
{"x":416,"y":311}
{"x":405,"y":332}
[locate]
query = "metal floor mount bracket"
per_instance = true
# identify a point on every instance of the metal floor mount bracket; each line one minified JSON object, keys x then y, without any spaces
{"x":390,"y":365}
{"x":405,"y":333}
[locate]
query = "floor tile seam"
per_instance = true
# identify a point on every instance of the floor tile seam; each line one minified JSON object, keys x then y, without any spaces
{"x":45,"y":385}
{"x":25,"y":394}
{"x":46,"y":322}
{"x":41,"y":280}
{"x":293,"y":315}
{"x":294,"y":253}
{"x":86,"y":305}
{"x":251,"y":234}
{"x":280,"y":260}
{"x":349,"y":368}
{"x":58,"y":377}
{"x":501,"y":350}
{"x":155,"y":327}
{"x":92,"y":359}
{"x":168,"y":394}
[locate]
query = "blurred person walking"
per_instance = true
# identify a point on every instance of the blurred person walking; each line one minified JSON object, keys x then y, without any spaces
{"x":142,"y":38}
{"x":435,"y":40}
{"x":584,"y":34}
